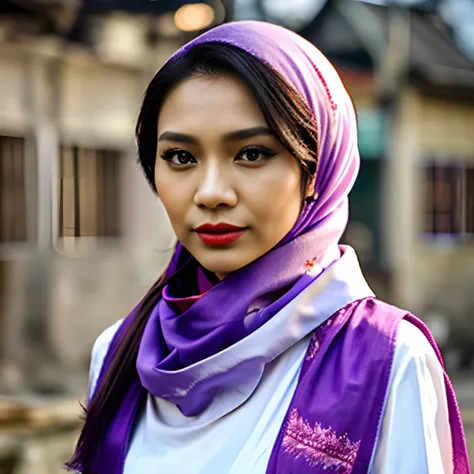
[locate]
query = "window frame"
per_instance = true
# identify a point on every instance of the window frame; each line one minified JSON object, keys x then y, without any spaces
{"x":459,"y":195}
{"x":77,"y":244}
{"x":10,"y":248}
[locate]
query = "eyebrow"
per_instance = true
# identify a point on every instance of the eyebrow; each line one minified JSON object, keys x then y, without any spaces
{"x":248,"y":133}
{"x":232,"y":136}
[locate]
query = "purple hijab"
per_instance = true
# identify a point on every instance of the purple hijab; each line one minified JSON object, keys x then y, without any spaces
{"x":176,"y":344}
{"x":219,"y":320}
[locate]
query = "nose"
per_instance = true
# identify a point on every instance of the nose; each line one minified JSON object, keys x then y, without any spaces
{"x":215,"y":187}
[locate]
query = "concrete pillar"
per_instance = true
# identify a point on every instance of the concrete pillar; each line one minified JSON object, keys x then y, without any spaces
{"x":44,"y":93}
{"x":401,"y":201}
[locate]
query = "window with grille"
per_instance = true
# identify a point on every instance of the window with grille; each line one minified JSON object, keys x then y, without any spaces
{"x":449,"y":200}
{"x":88,"y":192}
{"x":12,"y":190}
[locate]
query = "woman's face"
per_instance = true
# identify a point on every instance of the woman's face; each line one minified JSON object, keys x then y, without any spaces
{"x":219,"y":163}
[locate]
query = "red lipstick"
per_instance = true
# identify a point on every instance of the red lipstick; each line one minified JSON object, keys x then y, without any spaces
{"x":219,"y":234}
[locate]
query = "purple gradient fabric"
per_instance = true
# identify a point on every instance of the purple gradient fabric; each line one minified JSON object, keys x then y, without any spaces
{"x":174,"y":341}
{"x":177,"y":344}
{"x":336,"y":412}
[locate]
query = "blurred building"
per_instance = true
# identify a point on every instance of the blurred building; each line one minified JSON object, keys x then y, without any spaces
{"x":81,"y":235}
{"x":412,"y":209}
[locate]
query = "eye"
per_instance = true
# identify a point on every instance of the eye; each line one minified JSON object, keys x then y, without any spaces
{"x":255,"y":154}
{"x":178,"y":157}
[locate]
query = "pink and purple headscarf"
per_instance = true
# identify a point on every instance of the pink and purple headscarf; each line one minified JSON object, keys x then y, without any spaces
{"x":220,"y":318}
{"x":175,"y":343}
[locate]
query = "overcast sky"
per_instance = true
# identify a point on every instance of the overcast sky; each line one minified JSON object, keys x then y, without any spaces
{"x":460,"y":14}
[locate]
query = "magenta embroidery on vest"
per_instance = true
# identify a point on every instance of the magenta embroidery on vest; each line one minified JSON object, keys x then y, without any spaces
{"x":314,"y":343}
{"x":313,"y":346}
{"x":319,"y":446}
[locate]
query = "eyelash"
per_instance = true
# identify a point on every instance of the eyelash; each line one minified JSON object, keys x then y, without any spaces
{"x":168,"y":155}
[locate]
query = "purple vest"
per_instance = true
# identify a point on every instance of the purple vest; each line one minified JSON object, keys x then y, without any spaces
{"x":335,"y":414}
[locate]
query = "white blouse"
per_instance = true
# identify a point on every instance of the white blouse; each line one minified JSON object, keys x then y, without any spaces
{"x":414,"y":437}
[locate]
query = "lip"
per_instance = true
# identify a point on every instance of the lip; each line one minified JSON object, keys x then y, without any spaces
{"x":219,"y":234}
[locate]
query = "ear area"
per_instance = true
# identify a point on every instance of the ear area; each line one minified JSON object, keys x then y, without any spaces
{"x":310,"y":192}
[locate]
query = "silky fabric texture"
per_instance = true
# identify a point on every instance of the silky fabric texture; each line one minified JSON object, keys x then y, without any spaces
{"x":362,"y":325}
{"x":337,"y":409}
{"x":177,"y":347}
{"x":175,"y":341}
{"x":415,"y":421}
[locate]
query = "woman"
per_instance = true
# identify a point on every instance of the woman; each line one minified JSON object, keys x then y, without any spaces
{"x":261,"y":349}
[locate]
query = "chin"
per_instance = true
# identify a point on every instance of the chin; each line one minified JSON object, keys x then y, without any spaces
{"x":222,"y":264}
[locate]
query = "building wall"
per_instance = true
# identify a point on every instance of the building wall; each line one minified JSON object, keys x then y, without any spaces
{"x":427,"y":274}
{"x":14,"y":115}
{"x":52,"y":98}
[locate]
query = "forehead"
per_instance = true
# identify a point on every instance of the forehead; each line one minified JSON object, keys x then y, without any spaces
{"x":217,"y":102}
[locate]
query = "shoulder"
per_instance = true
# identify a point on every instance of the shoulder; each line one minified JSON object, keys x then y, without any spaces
{"x":412,"y":343}
{"x":413,"y":352}
{"x":99,"y":351}
{"x":415,"y":361}
{"x":413,"y":349}
{"x":102,"y":343}
{"x":415,"y":428}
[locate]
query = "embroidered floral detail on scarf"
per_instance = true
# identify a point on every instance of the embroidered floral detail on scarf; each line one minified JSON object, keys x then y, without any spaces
{"x":319,"y":446}
{"x":309,"y":265}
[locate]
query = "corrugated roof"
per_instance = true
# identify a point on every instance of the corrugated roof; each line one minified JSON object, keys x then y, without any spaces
{"x":433,"y":50}
{"x":342,"y":26}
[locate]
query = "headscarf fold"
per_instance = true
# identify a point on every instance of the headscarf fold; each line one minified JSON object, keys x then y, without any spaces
{"x":174,"y":341}
{"x":178,"y":346}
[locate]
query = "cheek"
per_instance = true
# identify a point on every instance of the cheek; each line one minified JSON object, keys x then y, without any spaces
{"x":279,"y":196}
{"x":173,"y":199}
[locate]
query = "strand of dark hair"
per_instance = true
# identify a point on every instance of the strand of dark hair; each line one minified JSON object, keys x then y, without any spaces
{"x":284,"y":109}
{"x":116,"y":382}
{"x":290,"y":118}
